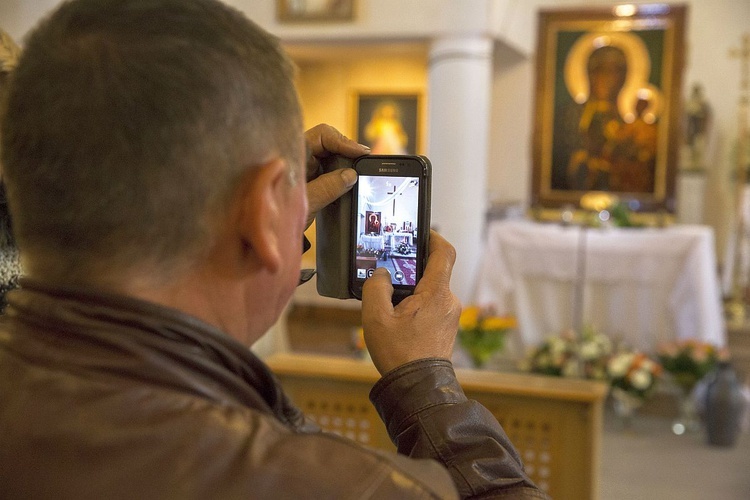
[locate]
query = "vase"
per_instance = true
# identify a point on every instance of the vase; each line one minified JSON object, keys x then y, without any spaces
{"x":725,"y":407}
{"x":486,"y":360}
{"x":625,"y":406}
{"x":687,"y":421}
{"x":482,"y":346}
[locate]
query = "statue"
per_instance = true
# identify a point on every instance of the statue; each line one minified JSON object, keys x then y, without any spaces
{"x":698,"y":120}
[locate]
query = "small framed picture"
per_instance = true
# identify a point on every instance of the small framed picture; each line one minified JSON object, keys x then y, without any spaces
{"x":314,"y":10}
{"x":389,"y":123}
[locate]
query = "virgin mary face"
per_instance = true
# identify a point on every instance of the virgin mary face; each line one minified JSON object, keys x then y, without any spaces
{"x":607,"y":68}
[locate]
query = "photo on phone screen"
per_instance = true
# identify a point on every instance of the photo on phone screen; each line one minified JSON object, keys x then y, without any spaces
{"x":391,"y":220}
{"x":387,"y":227}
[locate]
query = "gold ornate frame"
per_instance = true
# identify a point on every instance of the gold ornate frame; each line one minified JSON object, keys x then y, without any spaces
{"x":304,"y":11}
{"x":625,"y":144}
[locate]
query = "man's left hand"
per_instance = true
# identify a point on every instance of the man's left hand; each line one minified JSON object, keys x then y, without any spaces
{"x":322,"y":189}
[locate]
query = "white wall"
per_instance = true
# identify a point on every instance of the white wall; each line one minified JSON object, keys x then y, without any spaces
{"x":714,"y":28}
{"x":18,"y":16}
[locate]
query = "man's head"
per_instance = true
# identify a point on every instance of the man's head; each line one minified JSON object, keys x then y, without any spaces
{"x":129,"y":125}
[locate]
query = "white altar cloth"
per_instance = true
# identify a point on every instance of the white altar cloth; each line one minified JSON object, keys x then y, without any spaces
{"x":641,"y":285}
{"x":373,"y":242}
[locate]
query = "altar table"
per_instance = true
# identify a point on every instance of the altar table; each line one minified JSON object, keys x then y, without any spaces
{"x":372,"y":242}
{"x":640,"y":285}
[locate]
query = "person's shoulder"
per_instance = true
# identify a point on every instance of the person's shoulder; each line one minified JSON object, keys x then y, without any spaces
{"x":272,"y":454}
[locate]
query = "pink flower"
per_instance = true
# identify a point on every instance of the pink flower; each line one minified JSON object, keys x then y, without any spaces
{"x":667,"y":349}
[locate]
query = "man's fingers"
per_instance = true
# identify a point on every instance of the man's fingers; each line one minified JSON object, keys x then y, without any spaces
{"x":324,"y":140}
{"x":329,"y":187}
{"x":440,"y":263}
{"x":376,"y":295}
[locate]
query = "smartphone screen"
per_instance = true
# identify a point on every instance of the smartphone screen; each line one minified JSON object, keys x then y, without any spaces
{"x":391,"y":220}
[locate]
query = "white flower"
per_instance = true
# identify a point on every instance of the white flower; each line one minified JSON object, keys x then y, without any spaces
{"x":604,"y":343}
{"x":640,"y":379}
{"x":570,"y":369}
{"x":618,"y":366}
{"x":556,"y":345}
{"x":590,"y":350}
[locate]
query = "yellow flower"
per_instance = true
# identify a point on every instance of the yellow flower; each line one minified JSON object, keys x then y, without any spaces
{"x":469,"y":318}
{"x":498,"y":323}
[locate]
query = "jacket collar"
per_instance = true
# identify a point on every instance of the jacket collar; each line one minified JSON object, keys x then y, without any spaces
{"x":165,"y":345}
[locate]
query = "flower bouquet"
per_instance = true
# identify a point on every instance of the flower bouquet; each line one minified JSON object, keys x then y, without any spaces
{"x":403,"y":248}
{"x":482,"y":334}
{"x":633,"y":372}
{"x":369,"y":252}
{"x":591,"y":355}
{"x":688,"y":361}
{"x":633,"y":376}
{"x":570,"y":355}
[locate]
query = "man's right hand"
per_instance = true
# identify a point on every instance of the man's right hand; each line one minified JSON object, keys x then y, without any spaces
{"x":423,"y":325}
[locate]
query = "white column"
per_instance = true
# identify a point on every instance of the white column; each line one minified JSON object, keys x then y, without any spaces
{"x":460,"y":72}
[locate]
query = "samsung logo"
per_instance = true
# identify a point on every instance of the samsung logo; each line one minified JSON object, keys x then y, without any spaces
{"x":387,"y":170}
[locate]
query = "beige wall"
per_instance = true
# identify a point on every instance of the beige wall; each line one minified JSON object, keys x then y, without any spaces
{"x":327,"y":88}
{"x":714,"y":28}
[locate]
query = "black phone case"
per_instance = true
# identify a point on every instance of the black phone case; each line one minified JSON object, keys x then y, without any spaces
{"x":400,"y":294}
{"x":332,"y":233}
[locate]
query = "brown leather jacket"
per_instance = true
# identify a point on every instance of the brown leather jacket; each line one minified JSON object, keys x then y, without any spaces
{"x":109,"y":397}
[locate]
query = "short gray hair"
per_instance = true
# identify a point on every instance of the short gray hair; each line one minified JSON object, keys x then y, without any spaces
{"x":128,"y":124}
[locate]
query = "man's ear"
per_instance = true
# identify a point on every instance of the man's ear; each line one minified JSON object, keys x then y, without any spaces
{"x":260,"y":199}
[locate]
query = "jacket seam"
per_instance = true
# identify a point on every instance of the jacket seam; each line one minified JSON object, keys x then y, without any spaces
{"x":406,"y":369}
{"x":416,"y":412}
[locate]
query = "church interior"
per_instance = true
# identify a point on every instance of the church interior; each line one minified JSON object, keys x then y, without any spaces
{"x":589,"y":165}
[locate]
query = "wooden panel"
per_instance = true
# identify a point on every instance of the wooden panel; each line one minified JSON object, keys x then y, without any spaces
{"x":558,"y":440}
{"x":340,"y":407}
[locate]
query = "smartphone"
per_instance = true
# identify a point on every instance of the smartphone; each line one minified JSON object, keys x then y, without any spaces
{"x":390,"y":221}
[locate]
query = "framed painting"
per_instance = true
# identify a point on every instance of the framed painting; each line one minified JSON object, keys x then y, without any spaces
{"x":387,"y":122}
{"x":607,"y":110}
{"x":314,"y":10}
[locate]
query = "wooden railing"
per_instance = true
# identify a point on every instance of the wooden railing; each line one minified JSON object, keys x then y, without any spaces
{"x":554,"y":423}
